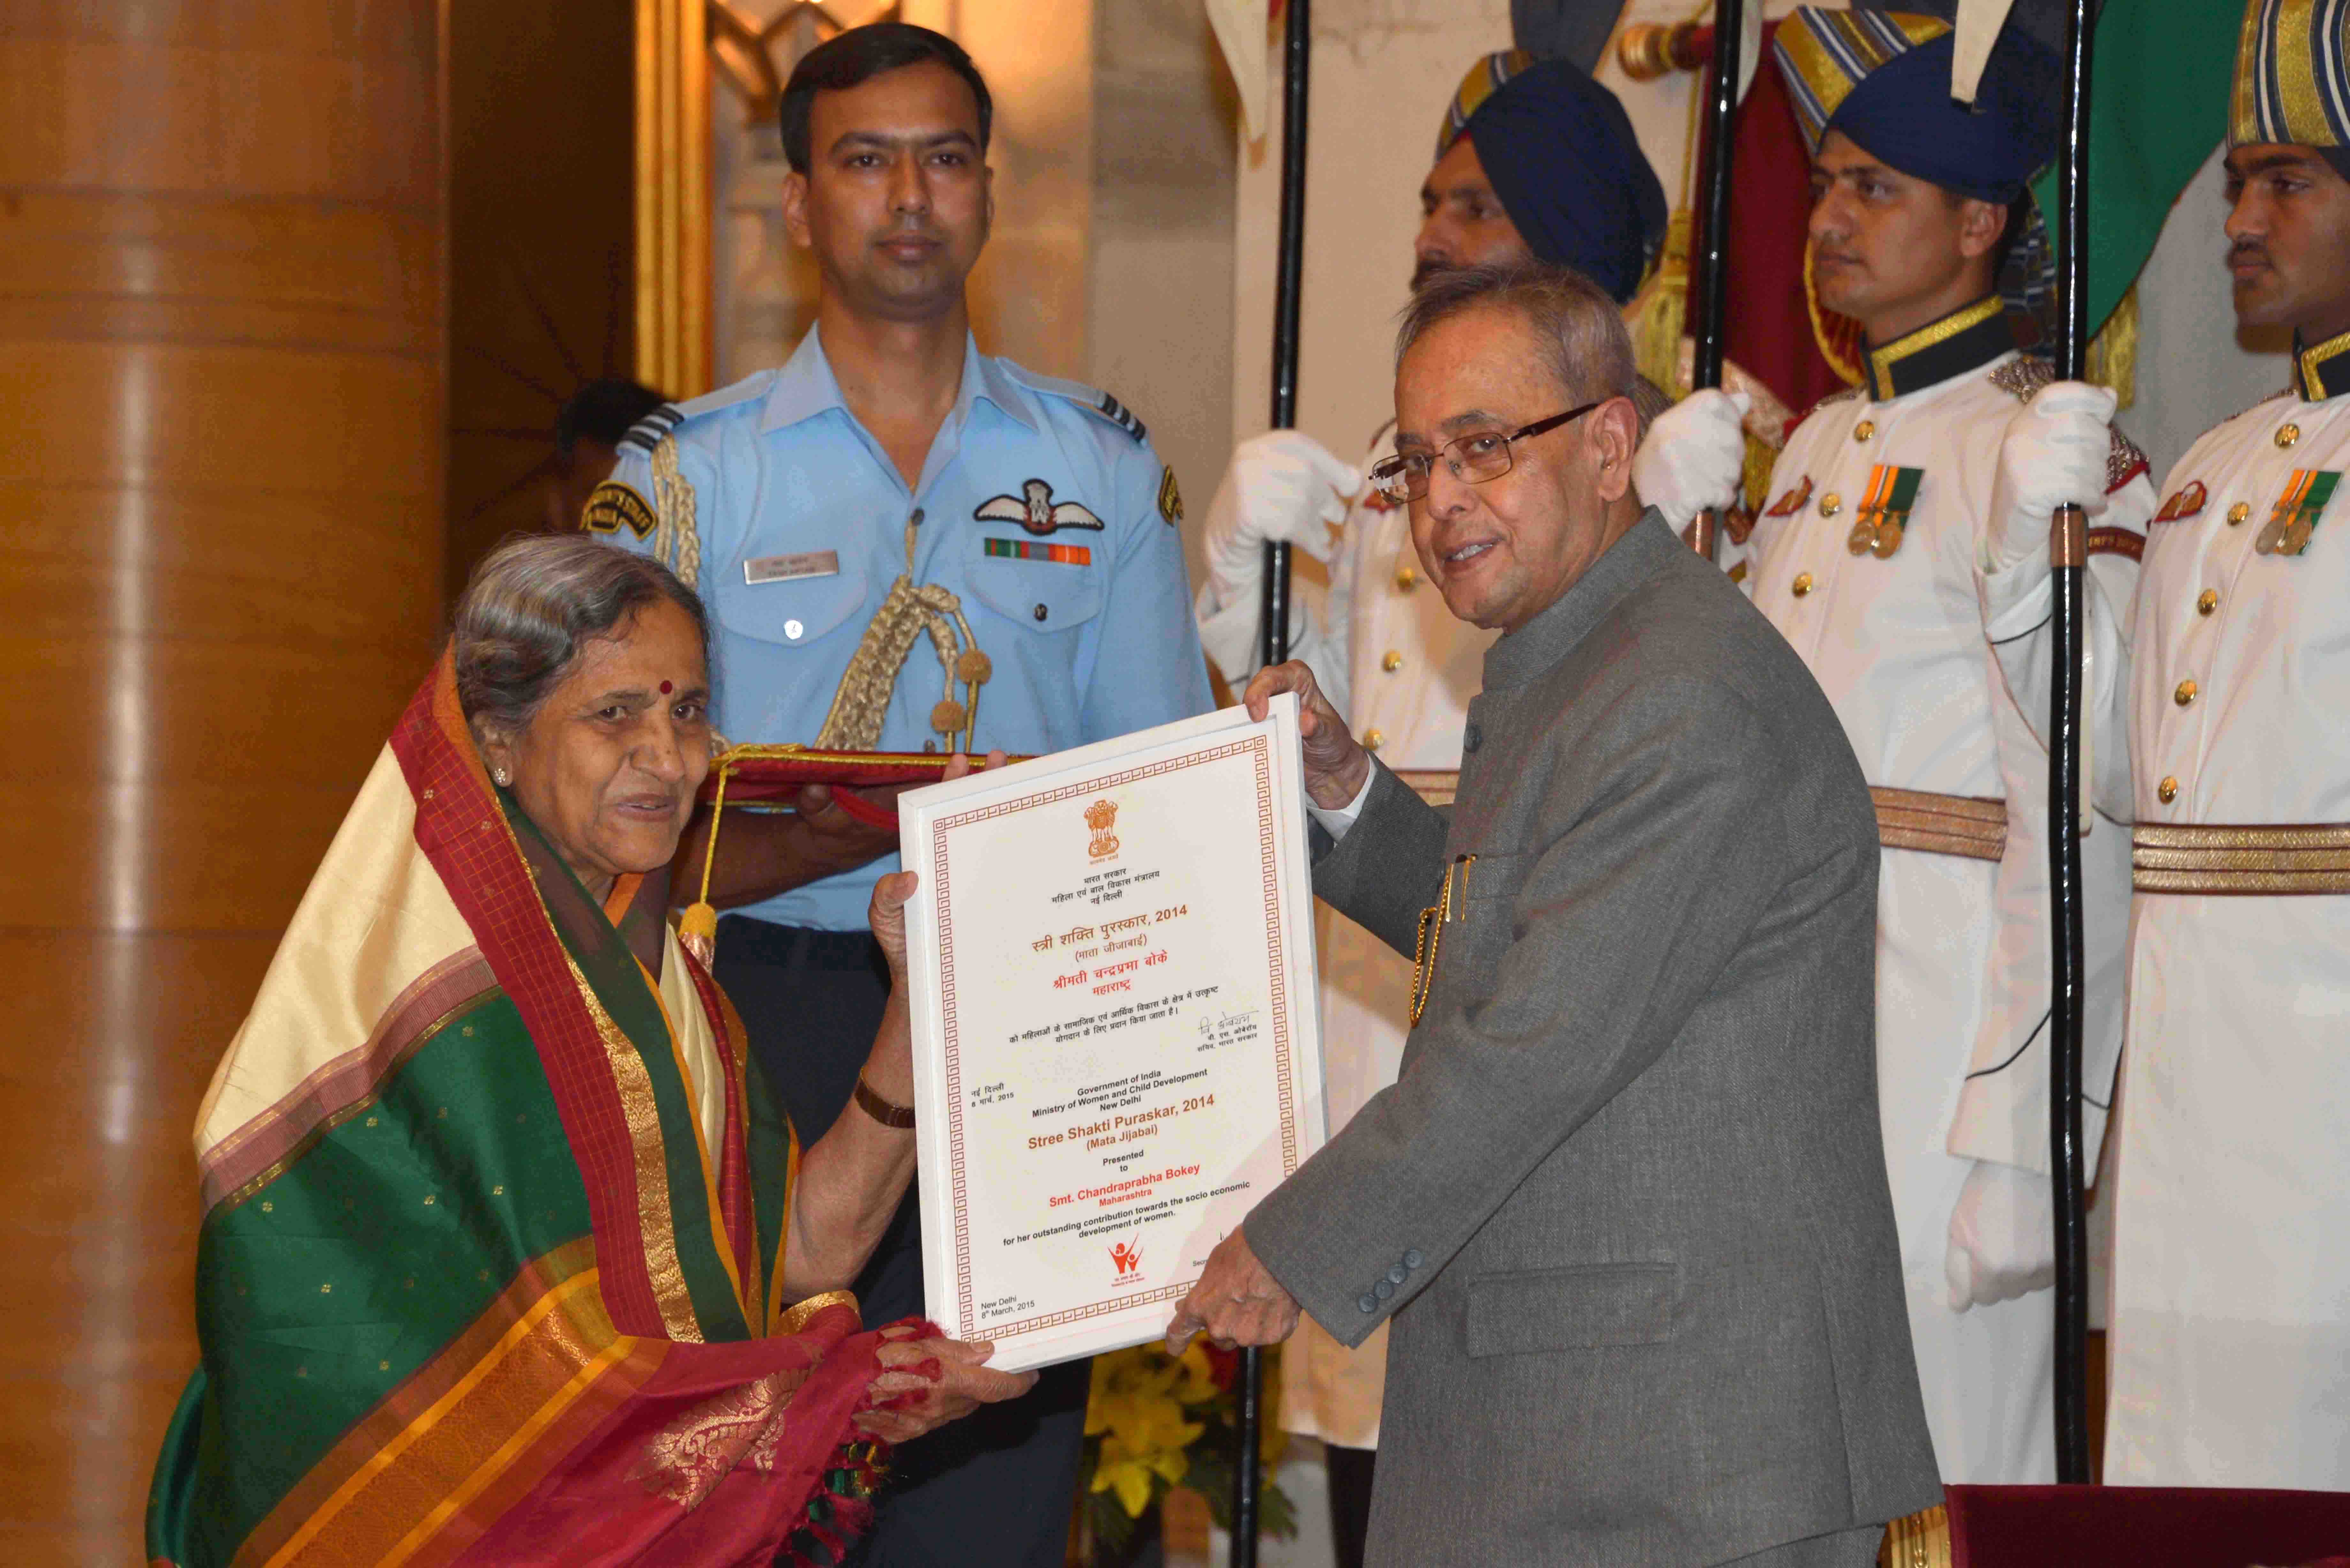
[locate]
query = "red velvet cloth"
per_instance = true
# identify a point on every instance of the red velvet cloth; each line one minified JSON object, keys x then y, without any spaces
{"x":1767,"y":330}
{"x":755,"y":780}
{"x":2145,"y":1527}
{"x":752,"y":779}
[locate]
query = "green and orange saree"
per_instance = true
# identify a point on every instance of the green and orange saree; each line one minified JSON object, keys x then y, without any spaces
{"x":473,"y":1283}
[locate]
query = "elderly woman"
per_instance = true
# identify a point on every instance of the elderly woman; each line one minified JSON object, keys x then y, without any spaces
{"x":504,"y":1257}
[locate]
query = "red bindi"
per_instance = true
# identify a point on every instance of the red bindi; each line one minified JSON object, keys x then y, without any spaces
{"x":665,"y":688}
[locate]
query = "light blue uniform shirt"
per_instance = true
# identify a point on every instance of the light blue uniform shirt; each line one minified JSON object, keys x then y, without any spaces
{"x":1083,"y":650}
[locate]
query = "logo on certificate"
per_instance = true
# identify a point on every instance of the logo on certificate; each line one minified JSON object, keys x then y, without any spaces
{"x":1129,"y":1259}
{"x":1101,"y":816}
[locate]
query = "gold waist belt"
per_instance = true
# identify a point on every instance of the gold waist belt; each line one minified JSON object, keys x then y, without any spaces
{"x":1940,"y":824}
{"x":2206,"y":858}
{"x":1437,"y":786}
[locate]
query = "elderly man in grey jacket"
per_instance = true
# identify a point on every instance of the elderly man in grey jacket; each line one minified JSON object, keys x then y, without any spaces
{"x":1627,"y":1203}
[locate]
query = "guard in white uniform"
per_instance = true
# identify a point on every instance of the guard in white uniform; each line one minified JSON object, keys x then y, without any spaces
{"x":1903,"y":514}
{"x":1384,"y":647}
{"x":2231,"y":1330}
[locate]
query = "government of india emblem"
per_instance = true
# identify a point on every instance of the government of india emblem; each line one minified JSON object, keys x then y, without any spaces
{"x":1102,"y":816}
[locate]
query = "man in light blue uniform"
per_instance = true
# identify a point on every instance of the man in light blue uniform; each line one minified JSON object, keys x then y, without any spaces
{"x":889,"y":470}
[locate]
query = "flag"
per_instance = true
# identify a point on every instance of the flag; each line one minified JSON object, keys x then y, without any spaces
{"x":1769,"y":223}
{"x":2158,"y":80}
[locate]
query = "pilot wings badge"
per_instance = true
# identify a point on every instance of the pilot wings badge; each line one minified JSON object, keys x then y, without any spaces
{"x":1035,"y":510}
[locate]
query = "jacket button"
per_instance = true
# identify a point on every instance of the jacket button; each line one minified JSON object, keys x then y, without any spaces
{"x":1802,"y":584}
{"x":2206,"y":601}
{"x":1830,"y":504}
{"x":1374,"y":738}
{"x":1406,"y":580}
{"x":1368,"y":1304}
{"x":916,"y":520}
{"x":1040,"y":612}
{"x":1411,"y":1260}
{"x":2167,"y":790}
{"x":1392,"y":661}
{"x":2185,"y":694}
{"x":1383,"y":1290}
{"x":2238,"y":513}
{"x":1472,"y":739}
{"x":1863,"y":430}
{"x":2287,"y":434}
{"x":1397,"y":1275}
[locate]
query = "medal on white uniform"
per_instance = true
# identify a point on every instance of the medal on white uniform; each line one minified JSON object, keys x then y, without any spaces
{"x":1883,"y":515}
{"x":2294,"y":516}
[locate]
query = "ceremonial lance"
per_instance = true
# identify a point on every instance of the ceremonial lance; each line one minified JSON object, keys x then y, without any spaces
{"x":2068,"y":557}
{"x":1712,"y":279}
{"x":1296,"y":55}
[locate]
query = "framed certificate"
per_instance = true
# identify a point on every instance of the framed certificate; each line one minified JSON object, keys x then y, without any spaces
{"x":1117,"y":1050}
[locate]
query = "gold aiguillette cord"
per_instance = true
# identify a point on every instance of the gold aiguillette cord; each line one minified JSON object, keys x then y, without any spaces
{"x":1438,"y":915}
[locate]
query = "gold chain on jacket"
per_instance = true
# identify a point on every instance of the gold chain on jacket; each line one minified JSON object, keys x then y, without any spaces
{"x":1438,"y":915}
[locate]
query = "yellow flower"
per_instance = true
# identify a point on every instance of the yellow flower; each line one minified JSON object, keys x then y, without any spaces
{"x":1199,"y":1381}
{"x":1122,"y":1378}
{"x":1134,"y":1409}
{"x":1129,"y":1474}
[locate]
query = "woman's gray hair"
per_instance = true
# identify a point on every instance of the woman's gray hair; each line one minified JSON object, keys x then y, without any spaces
{"x":1583,"y":337}
{"x":534,"y":603}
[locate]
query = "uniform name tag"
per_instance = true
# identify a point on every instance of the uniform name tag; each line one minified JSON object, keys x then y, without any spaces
{"x":791,"y":568}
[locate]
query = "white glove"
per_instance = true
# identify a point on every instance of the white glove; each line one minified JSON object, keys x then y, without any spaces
{"x":1284,"y":486}
{"x":1694,"y":455}
{"x":2053,"y":452}
{"x":2002,"y":1236}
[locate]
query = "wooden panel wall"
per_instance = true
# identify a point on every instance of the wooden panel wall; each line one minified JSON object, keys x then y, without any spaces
{"x":541,"y":292}
{"x":221,"y":346}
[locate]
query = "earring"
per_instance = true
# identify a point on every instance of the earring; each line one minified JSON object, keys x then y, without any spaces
{"x":504,"y":780}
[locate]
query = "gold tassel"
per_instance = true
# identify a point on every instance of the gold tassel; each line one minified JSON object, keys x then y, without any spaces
{"x":697,"y":928}
{"x":1657,"y":313}
{"x":2112,"y":353}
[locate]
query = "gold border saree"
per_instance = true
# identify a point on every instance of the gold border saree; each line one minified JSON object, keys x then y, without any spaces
{"x":471,"y":1285}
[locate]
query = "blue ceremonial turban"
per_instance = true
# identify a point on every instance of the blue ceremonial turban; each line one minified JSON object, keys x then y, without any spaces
{"x":2292,"y":80}
{"x":1883,"y":77}
{"x":1560,"y":152}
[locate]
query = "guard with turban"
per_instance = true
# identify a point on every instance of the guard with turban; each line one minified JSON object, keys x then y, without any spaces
{"x":1534,"y":158}
{"x":1881,"y":80}
{"x":2229,"y":1342}
{"x":1550,"y":153}
{"x":1904,"y":554}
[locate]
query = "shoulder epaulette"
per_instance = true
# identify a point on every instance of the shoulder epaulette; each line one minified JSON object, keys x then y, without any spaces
{"x":647,"y":432}
{"x":1093,"y":399}
{"x":2023,"y":377}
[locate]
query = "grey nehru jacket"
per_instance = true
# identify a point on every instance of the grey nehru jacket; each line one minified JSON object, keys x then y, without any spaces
{"x":1627,"y":1203}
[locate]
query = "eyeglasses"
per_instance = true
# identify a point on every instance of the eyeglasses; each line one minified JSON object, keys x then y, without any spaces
{"x":1476,"y":457}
